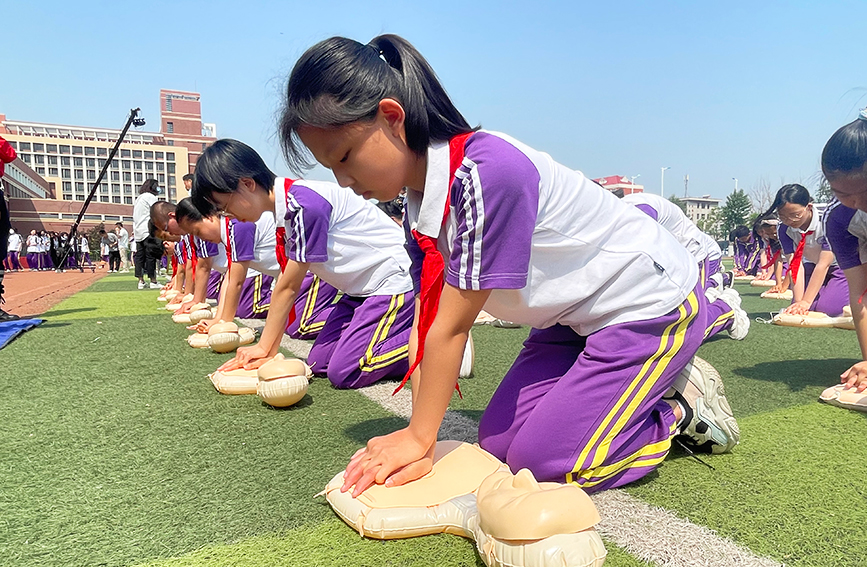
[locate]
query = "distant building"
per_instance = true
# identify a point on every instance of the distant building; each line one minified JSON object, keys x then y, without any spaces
{"x":700,"y":208}
{"x":181,"y":123}
{"x":58,"y":164}
{"x":615,"y":182}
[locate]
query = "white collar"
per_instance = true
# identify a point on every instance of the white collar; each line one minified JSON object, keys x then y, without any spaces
{"x":436,"y":190}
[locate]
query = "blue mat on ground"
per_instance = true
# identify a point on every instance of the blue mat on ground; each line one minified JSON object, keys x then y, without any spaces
{"x":11,"y":329}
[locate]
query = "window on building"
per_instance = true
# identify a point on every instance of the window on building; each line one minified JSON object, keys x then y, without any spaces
{"x":170,"y":127}
{"x":14,"y":144}
{"x":136,"y":165}
{"x":104,"y":199}
{"x":89,"y":151}
{"x":127,"y":200}
{"x":204,"y":146}
{"x":51,"y":148}
{"x":125,"y":153}
{"x":169,"y":103}
{"x":79,"y":174}
{"x":126,"y":163}
{"x":79,"y":186}
{"x":77,"y":150}
{"x":52,"y":171}
{"x":136,"y":154}
{"x":127,"y":189}
{"x":25,"y":157}
{"x":149,"y":166}
{"x":149,"y":155}
{"x":38,"y":147}
{"x":161,"y":177}
{"x":91,"y":162}
{"x":65,"y":161}
{"x":171,"y":180}
{"x":40,"y":170}
{"x":115,"y":199}
{"x":67,"y":196}
{"x":91,"y":175}
{"x":52,"y":160}
{"x":127,"y":176}
{"x":115,"y":187}
{"x":170,"y":142}
{"x":170,"y":156}
{"x":67,"y":186}
{"x":102,"y":151}
{"x":100,"y":163}
{"x":40,"y":159}
{"x":115,"y":176}
{"x":139,"y":178}
{"x":115,"y":163}
{"x":80,"y":197}
{"x":171,"y":168}
{"x":67,"y":174}
{"x":78,"y":162}
{"x":161,"y":166}
{"x":24,"y":146}
{"x":103,"y":187}
{"x":64,"y":149}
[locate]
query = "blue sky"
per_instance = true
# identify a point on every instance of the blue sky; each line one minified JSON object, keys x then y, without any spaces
{"x":715,"y":90}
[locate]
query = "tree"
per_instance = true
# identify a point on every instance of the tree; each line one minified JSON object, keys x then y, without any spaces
{"x":712,"y":225}
{"x":823,"y":193}
{"x":678,"y":202}
{"x":762,"y":195}
{"x":736,"y":210}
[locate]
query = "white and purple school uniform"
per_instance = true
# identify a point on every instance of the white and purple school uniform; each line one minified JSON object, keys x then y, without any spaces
{"x":353,"y":246}
{"x":32,"y":255}
{"x":13,"y":250}
{"x":84,"y":250}
{"x":217,"y":253}
{"x":747,"y":256}
{"x":254,"y":243}
{"x":705,"y":251}
{"x":603,"y":286}
{"x":834,"y":293}
{"x":846,"y":233}
{"x":313,"y":305}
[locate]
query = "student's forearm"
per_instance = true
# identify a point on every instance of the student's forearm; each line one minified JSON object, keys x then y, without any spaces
{"x":203,"y":274}
{"x":282,"y":303}
{"x":778,"y":272}
{"x":231,"y":292}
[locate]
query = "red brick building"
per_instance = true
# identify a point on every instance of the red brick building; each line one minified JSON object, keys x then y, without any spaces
{"x":614,"y":182}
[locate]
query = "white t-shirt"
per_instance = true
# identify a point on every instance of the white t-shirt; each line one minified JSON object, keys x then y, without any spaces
{"x":553,"y":246}
{"x":252,"y":242}
{"x":141,"y":214}
{"x":123,"y":237}
{"x":672,"y":218}
{"x":349,"y":242}
{"x":14,"y":242}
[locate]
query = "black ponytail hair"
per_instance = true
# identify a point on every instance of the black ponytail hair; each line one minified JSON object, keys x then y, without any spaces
{"x":791,"y":193}
{"x":219,"y":169}
{"x":739,"y":232}
{"x":846,"y":152}
{"x":186,"y":210}
{"x":340,"y":81}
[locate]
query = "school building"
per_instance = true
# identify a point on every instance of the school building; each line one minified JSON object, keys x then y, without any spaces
{"x":700,"y":208}
{"x":58,"y":164}
{"x":616,"y":182}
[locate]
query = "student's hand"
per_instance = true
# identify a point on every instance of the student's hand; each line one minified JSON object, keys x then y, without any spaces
{"x":856,"y":377}
{"x":203,"y":325}
{"x":797,"y":308}
{"x":248,"y":358}
{"x":185,"y":307}
{"x":393,"y":460}
{"x":739,"y":273}
{"x":779,"y":288}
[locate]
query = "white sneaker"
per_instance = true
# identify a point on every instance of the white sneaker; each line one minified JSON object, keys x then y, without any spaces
{"x":709,"y":423}
{"x":741,"y":323}
{"x":141,"y":284}
{"x":155,"y":285}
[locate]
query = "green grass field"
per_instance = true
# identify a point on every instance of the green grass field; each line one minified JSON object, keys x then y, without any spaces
{"x":116,"y":450}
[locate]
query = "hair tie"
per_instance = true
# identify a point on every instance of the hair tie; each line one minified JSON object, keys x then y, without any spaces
{"x":863,"y":114}
{"x":379,"y":54}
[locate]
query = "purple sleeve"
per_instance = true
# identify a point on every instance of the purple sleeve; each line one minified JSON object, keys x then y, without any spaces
{"x":242,"y":241}
{"x":416,"y":257}
{"x":648,"y":210}
{"x":183,"y":247}
{"x":843,"y":243}
{"x":495,"y":199}
{"x":307,"y":221}
{"x":786,"y":241}
{"x":205,"y":249}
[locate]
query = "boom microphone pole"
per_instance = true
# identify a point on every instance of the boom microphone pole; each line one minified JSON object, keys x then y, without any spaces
{"x":133,"y":120}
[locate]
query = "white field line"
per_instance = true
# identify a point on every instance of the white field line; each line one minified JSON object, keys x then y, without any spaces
{"x":648,"y":532}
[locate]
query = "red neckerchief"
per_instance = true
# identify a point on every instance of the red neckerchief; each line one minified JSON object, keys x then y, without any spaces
{"x":193,"y":256}
{"x":433,"y":265}
{"x":799,"y":253}
{"x":281,"y":241}
{"x":228,"y":244}
{"x":771,"y":259}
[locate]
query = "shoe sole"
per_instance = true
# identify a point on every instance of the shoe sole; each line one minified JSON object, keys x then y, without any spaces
{"x":714,"y":410}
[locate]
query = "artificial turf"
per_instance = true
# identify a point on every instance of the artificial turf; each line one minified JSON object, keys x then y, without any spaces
{"x":117,"y":451}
